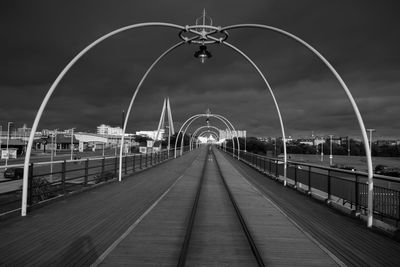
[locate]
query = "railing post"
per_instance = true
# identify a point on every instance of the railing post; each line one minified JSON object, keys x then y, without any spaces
{"x":356,"y":192}
{"x":276,"y":169}
{"x":86,"y":172}
{"x":270,"y":166}
{"x":30,"y":179}
{"x":140,"y":161}
{"x":126,"y":164}
{"x":63,"y":176}
{"x":145,"y":160}
{"x":264,"y":164}
{"x":295,"y":175}
{"x":329,"y":187}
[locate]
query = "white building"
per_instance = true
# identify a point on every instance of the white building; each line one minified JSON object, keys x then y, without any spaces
{"x":226,"y":134}
{"x":152,"y":134}
{"x":108,"y":130}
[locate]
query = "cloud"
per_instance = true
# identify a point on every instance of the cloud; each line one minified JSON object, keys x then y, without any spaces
{"x":361,"y":42}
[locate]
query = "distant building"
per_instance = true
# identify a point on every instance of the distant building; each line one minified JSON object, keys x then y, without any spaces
{"x":306,"y":141}
{"x":152,"y":134}
{"x":226,"y":134}
{"x":108,"y":130}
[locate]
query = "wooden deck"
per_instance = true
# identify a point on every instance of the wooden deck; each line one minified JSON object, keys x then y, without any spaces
{"x":142,"y":222}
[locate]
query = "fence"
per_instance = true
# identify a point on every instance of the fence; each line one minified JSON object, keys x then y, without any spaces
{"x":49,"y":180}
{"x":344,"y":187}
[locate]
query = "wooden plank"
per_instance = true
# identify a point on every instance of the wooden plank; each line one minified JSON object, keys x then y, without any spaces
{"x":84,"y":225}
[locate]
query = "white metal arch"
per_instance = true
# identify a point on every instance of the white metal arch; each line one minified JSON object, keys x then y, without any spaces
{"x":128,"y":113}
{"x":349,"y":96}
{"x":195,"y":117}
{"x":221,"y":40}
{"x":198,"y":129}
{"x":233,"y":135}
{"x":207,"y":132}
{"x":189,"y":121}
{"x":276,"y":106}
{"x":54,"y":86}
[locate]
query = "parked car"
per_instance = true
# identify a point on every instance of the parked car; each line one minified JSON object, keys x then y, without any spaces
{"x":14,"y":173}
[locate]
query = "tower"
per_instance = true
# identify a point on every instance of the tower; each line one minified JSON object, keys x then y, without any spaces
{"x":166,"y":109}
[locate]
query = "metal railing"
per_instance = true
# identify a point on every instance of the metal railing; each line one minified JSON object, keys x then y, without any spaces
{"x":343,"y":187}
{"x":48,"y":180}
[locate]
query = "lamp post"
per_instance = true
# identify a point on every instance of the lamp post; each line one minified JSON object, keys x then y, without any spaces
{"x":1,"y":137}
{"x":245,"y":142}
{"x":322,"y":150}
{"x":72,"y":143}
{"x":370,"y":139}
{"x":52,"y":154}
{"x":8,"y":139}
{"x":55,"y":141}
{"x":330,"y":155}
{"x":348,"y":146}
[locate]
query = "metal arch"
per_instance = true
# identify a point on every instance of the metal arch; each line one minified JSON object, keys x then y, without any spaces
{"x":207,"y":132}
{"x":349,"y":95}
{"x":53,"y":87}
{"x":193,"y":118}
{"x":202,"y":127}
{"x":214,"y":134}
{"x":233,"y":137}
{"x":133,"y":100}
{"x":276,"y":106}
{"x":234,"y":130}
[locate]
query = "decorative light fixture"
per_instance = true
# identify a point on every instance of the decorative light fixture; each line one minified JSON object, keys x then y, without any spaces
{"x":202,"y":54}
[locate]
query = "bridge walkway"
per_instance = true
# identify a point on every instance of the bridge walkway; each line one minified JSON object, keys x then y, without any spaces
{"x":146,"y":216}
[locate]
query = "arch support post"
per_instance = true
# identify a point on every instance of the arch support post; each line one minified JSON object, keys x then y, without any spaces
{"x":133,"y":100}
{"x":54,"y":86}
{"x":349,"y":96}
{"x":275,"y":102}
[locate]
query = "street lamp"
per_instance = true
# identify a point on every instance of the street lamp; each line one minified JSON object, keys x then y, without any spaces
{"x":330,"y":156}
{"x":245,"y":142}
{"x":370,"y":139}
{"x":202,"y":54}
{"x":1,"y":136}
{"x":322,"y":150}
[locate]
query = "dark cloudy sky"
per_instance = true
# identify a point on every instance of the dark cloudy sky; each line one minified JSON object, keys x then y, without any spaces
{"x":360,"y":38}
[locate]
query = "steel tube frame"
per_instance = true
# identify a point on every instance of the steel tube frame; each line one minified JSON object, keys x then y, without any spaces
{"x":54,"y":86}
{"x":195,"y":117}
{"x":349,"y":96}
{"x":202,"y":127}
{"x":214,"y":134}
{"x":276,"y":106}
{"x":133,"y":100}
{"x":191,"y":29}
{"x":233,"y":137}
